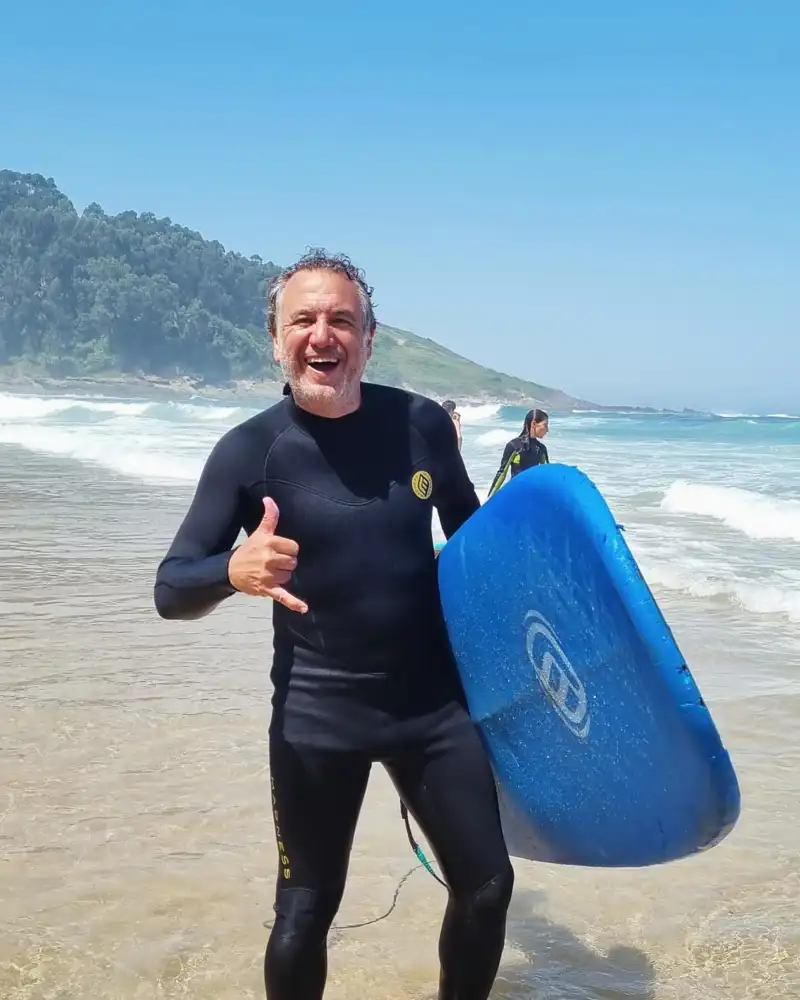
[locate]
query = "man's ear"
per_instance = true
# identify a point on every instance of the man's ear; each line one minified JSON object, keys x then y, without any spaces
{"x":370,"y":339}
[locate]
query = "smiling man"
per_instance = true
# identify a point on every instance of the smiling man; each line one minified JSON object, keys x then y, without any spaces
{"x":335,"y":486}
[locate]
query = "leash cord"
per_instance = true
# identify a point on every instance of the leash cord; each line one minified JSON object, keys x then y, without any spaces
{"x":423,"y":863}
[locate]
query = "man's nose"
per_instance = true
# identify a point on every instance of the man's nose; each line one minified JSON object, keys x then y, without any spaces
{"x":321,"y":332}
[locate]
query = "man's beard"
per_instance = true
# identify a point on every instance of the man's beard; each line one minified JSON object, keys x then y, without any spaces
{"x":321,"y":397}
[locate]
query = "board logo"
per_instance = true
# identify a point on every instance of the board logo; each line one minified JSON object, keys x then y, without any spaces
{"x":557,"y":676}
{"x":422,"y":484}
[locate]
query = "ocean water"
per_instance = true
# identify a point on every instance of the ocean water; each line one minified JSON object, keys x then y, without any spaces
{"x":136,"y":851}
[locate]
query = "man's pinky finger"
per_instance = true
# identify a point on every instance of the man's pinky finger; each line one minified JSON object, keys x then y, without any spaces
{"x":287,"y":600}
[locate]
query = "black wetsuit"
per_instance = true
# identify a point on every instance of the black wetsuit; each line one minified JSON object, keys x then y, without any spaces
{"x":520,"y":453}
{"x":367,"y":674}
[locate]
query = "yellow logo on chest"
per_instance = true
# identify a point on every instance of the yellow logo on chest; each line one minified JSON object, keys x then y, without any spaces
{"x":422,"y":484}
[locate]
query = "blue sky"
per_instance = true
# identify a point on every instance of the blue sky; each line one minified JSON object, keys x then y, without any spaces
{"x":603,"y":197}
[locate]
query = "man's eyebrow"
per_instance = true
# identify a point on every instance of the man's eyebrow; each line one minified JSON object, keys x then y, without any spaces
{"x":300,"y":312}
{"x":304,"y":312}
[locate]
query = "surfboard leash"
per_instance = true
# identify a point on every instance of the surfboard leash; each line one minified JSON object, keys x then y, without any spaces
{"x":416,"y":848}
{"x":423,"y":862}
{"x":268,"y":924}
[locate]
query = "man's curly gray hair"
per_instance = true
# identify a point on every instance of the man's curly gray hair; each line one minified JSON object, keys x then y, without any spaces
{"x":317,"y":259}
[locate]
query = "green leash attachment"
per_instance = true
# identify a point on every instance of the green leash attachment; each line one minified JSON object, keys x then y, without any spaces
{"x":416,"y":848}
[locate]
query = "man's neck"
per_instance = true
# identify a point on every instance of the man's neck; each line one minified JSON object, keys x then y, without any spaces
{"x":332,"y":409}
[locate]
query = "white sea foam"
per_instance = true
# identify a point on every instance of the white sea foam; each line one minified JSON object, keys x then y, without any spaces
{"x":760,"y":598}
{"x":221,"y":413}
{"x":753,"y":514}
{"x":18,"y":408}
{"x":141,"y":456}
{"x":478,"y":414}
{"x":491,"y":439}
{"x":26,"y":408}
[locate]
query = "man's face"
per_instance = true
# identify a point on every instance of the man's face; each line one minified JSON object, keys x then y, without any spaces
{"x":320,"y":342}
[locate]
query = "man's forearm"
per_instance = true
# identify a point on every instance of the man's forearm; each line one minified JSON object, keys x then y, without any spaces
{"x":189,"y":589}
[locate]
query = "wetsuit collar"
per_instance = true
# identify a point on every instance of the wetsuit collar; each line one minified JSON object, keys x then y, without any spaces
{"x":313,"y":419}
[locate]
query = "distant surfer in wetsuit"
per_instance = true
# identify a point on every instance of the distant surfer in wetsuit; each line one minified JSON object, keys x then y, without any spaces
{"x":335,"y":487}
{"x":525,"y":451}
{"x":455,"y":416}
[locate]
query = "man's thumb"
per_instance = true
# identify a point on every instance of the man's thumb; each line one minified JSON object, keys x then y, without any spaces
{"x":269,"y":521}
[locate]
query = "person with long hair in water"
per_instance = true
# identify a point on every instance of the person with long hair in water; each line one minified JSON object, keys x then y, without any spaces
{"x":525,"y":451}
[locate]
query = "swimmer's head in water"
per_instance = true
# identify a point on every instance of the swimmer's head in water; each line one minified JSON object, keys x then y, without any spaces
{"x":322,"y":323}
{"x":450,"y":406}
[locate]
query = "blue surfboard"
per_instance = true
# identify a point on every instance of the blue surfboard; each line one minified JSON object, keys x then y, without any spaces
{"x":604,"y":751}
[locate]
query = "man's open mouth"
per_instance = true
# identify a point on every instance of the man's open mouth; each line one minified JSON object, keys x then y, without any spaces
{"x":322,"y":364}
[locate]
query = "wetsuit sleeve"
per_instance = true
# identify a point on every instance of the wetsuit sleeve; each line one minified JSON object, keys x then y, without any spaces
{"x":454,"y":495}
{"x":500,"y":475}
{"x":193,"y":576}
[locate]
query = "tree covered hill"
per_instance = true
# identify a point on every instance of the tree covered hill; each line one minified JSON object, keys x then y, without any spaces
{"x":90,"y":294}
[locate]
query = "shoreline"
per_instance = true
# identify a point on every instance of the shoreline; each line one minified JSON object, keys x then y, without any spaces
{"x":184,"y":387}
{"x":241,"y":390}
{"x":131,"y":386}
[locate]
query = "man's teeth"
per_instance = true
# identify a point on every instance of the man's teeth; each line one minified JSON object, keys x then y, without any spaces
{"x":322,"y":362}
